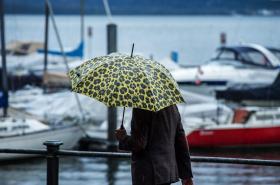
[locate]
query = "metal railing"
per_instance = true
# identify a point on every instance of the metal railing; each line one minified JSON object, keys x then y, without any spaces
{"x":53,"y":152}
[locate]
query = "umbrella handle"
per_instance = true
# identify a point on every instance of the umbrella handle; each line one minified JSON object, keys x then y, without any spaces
{"x":122,"y":127}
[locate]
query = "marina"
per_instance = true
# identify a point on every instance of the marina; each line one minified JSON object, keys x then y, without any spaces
{"x":51,"y":134}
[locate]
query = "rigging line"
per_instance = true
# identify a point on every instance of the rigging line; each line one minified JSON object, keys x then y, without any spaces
{"x":65,"y":61}
{"x":14,"y":16}
{"x":82,"y":13}
{"x":107,"y":10}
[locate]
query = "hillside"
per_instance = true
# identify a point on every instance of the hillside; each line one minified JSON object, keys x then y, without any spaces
{"x":179,"y":7}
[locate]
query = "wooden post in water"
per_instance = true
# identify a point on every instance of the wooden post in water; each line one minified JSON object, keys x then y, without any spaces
{"x":223,"y":38}
{"x":112,"y":111}
{"x":3,"y":54}
{"x":47,"y":12}
{"x":89,"y":44}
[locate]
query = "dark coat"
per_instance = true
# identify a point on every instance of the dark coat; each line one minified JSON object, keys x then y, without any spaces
{"x":157,"y":140}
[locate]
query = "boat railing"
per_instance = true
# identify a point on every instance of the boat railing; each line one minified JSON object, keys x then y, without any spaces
{"x":53,"y":152}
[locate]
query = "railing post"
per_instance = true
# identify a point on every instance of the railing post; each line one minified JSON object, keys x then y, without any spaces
{"x":52,"y":161}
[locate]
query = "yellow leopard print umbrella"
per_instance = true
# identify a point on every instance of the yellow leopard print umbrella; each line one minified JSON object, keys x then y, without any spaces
{"x":121,"y":80}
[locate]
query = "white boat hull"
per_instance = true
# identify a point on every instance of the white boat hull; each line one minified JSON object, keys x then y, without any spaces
{"x":205,"y":90}
{"x":219,"y":77}
{"x":69,"y":135}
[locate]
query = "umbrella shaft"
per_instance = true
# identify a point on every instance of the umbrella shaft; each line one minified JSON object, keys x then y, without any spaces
{"x":122,"y":127}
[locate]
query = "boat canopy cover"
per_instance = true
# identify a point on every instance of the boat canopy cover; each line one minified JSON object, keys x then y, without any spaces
{"x":78,"y":52}
{"x":275,"y":61}
{"x":251,"y":92}
{"x":3,"y":100}
{"x":23,"y":48}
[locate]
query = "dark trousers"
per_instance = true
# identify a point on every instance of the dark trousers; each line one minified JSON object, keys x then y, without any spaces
{"x":165,"y":184}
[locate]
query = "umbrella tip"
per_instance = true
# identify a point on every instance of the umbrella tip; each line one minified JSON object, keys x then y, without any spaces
{"x":131,"y":55}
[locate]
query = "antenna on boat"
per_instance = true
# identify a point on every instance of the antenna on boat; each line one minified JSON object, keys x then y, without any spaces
{"x":5,"y":87}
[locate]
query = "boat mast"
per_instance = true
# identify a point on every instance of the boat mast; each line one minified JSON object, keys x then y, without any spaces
{"x":3,"y":54}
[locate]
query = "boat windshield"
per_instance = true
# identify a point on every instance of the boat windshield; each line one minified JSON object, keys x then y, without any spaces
{"x":225,"y":55}
{"x":242,"y":55}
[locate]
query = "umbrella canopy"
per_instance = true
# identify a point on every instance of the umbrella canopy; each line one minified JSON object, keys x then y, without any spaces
{"x":121,"y":80}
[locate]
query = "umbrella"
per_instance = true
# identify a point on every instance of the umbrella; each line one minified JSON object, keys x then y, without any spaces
{"x":126,"y":81}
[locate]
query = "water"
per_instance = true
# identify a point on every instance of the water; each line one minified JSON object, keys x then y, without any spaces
{"x":195,"y":38}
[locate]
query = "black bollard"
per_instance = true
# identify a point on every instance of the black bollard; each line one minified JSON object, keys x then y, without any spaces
{"x":112,"y":112}
{"x":52,"y":161}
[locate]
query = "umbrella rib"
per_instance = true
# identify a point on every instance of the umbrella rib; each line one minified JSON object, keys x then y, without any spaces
{"x":79,"y":68}
{"x":113,"y":85}
{"x":148,"y":78}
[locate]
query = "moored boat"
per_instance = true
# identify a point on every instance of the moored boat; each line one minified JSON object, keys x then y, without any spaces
{"x":235,"y":136}
{"x":247,"y":63}
{"x":28,"y":133}
{"x":247,"y":127}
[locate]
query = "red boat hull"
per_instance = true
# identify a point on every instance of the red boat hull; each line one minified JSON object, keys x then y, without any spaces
{"x":235,"y":137}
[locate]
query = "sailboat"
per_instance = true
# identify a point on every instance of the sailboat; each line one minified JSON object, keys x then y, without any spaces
{"x":27,"y":64}
{"x":17,"y":129}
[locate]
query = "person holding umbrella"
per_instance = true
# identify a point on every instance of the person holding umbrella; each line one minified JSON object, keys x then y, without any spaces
{"x":160,"y":153}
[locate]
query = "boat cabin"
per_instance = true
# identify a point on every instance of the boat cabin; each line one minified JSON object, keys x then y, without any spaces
{"x":252,"y":55}
{"x":275,"y":51}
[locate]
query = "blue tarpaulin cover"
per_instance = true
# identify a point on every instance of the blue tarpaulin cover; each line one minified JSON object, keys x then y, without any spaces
{"x":3,"y":100}
{"x":78,"y":52}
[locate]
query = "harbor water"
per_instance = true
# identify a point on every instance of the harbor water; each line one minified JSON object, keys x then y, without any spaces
{"x":96,"y":171}
{"x":195,"y":38}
